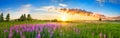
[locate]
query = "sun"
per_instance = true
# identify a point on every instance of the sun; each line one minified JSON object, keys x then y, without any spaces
{"x":64,"y":18}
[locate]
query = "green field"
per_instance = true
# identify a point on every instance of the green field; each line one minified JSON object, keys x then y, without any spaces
{"x":89,"y":29}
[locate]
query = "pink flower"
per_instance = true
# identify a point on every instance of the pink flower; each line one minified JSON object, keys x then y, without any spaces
{"x":10,"y":35}
{"x":100,"y":34}
{"x":104,"y":35}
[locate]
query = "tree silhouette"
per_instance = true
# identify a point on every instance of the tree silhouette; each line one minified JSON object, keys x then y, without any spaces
{"x":8,"y":17}
{"x":24,"y":17}
{"x":1,"y":17}
{"x":54,"y":20}
{"x":29,"y":17}
{"x":21,"y":18}
{"x":100,"y":19}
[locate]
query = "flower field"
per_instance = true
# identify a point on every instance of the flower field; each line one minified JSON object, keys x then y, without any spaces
{"x":59,"y":30}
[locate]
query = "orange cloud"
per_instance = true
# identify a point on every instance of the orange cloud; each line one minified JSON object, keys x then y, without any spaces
{"x":81,"y":12}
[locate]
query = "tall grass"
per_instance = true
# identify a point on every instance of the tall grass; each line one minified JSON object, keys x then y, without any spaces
{"x":69,"y":30}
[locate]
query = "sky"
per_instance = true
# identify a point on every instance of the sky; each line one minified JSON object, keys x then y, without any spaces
{"x":39,"y":8}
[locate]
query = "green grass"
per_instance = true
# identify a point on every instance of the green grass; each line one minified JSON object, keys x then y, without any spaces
{"x":7,"y":25}
{"x":110,"y":29}
{"x":87,"y":29}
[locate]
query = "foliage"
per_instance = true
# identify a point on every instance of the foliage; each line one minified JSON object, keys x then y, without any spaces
{"x":8,"y":17}
{"x":24,"y":18}
{"x":29,"y":17}
{"x":21,"y":18}
{"x":1,"y":17}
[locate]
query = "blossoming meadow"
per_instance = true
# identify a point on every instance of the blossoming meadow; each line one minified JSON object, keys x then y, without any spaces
{"x":61,"y":30}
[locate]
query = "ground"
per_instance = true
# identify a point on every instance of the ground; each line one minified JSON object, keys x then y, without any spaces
{"x":83,"y":29}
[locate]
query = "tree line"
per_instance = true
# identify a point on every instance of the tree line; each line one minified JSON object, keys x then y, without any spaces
{"x":23,"y":17}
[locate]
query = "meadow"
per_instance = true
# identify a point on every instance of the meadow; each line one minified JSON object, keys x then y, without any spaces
{"x":42,"y":29}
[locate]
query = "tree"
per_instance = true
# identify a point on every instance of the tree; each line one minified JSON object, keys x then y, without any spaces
{"x":100,"y":19}
{"x":24,"y":17}
{"x":1,"y":17}
{"x":54,"y":20}
{"x":21,"y":18}
{"x":29,"y":17}
{"x":8,"y":17}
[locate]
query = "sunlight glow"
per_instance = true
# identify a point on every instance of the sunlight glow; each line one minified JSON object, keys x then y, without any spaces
{"x":64,"y":18}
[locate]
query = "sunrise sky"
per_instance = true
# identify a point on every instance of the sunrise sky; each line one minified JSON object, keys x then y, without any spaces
{"x":39,"y":9}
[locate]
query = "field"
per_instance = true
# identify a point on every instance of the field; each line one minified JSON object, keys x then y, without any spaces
{"x":41,"y":29}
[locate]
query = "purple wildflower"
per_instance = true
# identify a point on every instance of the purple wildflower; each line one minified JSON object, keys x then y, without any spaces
{"x":5,"y":31}
{"x":30,"y":28}
{"x":38,"y":35}
{"x":51,"y":34}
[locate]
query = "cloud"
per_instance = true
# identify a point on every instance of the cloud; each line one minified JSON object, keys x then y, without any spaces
{"x":45,"y":8}
{"x":56,"y":1}
{"x":115,"y":1}
{"x":62,"y":5}
{"x":48,"y":9}
{"x":101,"y":2}
{"x":81,"y":12}
{"x":14,"y":14}
{"x":110,"y":1}
{"x":25,"y":9}
{"x":44,"y":12}
{"x":28,"y":8}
